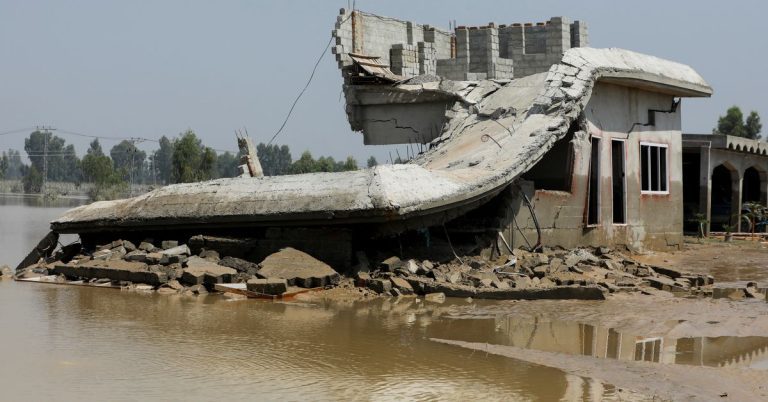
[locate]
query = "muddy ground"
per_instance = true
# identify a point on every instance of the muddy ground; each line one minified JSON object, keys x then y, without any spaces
{"x":742,"y":324}
{"x":739,"y":260}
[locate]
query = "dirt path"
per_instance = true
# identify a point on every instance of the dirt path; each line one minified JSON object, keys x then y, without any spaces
{"x":667,"y":382}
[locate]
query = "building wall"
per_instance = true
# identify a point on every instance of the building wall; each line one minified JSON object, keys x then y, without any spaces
{"x":735,"y":154}
{"x":470,"y":53}
{"x":653,"y":221}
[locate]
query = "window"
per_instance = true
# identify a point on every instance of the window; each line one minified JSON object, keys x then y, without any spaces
{"x":653,"y":159}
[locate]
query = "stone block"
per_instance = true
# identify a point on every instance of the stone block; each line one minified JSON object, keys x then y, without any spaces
{"x":271,"y":286}
{"x":169,"y":244}
{"x":136,"y":255}
{"x":299,"y":269}
{"x":380,"y":286}
{"x":402,"y":285}
{"x":176,"y":250}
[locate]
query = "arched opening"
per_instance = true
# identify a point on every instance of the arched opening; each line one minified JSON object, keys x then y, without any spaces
{"x":750,"y":186}
{"x":722,"y":198}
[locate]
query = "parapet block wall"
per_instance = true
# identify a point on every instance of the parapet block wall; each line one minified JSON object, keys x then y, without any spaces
{"x":394,"y":41}
{"x":470,"y":53}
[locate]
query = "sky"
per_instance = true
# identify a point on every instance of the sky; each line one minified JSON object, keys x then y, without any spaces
{"x":152,"y":68}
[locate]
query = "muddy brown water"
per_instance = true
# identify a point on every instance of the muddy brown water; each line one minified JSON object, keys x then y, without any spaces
{"x":75,"y":343}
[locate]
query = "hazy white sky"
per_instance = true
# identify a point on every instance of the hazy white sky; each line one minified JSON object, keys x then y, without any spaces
{"x":152,"y":68}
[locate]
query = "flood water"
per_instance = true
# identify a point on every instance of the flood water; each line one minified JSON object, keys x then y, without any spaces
{"x":75,"y":343}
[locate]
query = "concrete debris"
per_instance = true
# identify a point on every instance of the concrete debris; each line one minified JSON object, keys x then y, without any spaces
{"x":271,"y":286}
{"x":299,"y":269}
{"x":581,"y":273}
{"x":6,"y":272}
{"x":200,"y":271}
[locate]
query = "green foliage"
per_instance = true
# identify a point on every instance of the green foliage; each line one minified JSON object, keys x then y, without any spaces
{"x":275,"y":160}
{"x":753,"y":125}
{"x":191,"y":160}
{"x":350,"y":164}
{"x":126,"y":157}
{"x":305,"y":164}
{"x":108,"y":183}
{"x":33,"y":181}
{"x":372,"y":162}
{"x":227,"y":164}
{"x":756,"y":213}
{"x":3,"y":165}
{"x":14,"y":169}
{"x":701,"y":221}
{"x":733,"y":124}
{"x":95,"y":148}
{"x":61,"y":158}
{"x":162,"y":160}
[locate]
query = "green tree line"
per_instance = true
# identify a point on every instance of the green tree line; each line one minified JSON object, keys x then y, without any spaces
{"x":734,"y":123}
{"x":180,"y":159}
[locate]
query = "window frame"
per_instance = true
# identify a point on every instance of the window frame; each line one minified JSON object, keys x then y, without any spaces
{"x":651,"y":145}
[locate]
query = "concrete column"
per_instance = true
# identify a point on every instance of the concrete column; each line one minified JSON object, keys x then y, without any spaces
{"x":737,"y":178}
{"x":558,"y":35}
{"x":462,"y":47}
{"x":515,"y":41}
{"x":705,"y":186}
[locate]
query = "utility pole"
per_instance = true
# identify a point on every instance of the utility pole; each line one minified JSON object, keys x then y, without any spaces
{"x":46,"y":131}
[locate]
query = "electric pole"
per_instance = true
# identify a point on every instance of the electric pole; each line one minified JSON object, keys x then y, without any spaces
{"x":46,"y":131}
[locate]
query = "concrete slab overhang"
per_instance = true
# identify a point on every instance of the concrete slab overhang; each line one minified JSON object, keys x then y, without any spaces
{"x":493,"y":132}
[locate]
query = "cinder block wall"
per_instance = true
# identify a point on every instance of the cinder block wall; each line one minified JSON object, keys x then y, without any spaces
{"x":484,"y":52}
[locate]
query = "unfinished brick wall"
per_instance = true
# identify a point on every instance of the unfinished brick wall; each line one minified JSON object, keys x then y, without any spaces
{"x":470,"y":53}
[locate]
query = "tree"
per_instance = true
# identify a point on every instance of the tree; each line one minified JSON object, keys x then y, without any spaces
{"x":733,"y":124}
{"x":33,"y":181}
{"x":275,"y":160}
{"x":325,"y":164}
{"x":191,"y":160}
{"x":350,"y":164}
{"x":227,"y":164}
{"x":71,"y":165}
{"x":372,"y":162}
{"x":305,"y":164}
{"x":55,"y":150}
{"x":3,"y":165}
{"x":753,"y":126}
{"x":15,"y":169}
{"x":162,"y":160}
{"x":95,"y":148}
{"x":128,"y":158}
{"x":108,"y":183}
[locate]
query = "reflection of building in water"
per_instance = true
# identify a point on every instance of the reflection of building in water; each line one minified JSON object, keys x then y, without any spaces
{"x":575,"y":338}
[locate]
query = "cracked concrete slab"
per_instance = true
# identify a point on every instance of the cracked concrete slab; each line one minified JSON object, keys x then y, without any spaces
{"x":462,"y":166}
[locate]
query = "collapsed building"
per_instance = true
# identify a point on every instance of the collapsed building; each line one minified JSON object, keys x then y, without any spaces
{"x":526,"y":137}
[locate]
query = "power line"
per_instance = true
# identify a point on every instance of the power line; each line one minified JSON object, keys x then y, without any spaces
{"x":290,"y":111}
{"x":17,"y":131}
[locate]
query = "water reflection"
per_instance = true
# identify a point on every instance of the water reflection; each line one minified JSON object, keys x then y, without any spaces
{"x":119,"y":345}
{"x":575,"y":338}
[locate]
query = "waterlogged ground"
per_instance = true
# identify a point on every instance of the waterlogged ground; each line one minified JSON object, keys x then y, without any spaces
{"x":73,"y":343}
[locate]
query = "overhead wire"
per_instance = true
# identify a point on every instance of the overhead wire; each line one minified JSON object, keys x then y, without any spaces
{"x":312,"y":75}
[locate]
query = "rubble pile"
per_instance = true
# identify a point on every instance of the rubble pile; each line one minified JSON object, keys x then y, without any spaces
{"x":172,"y":267}
{"x":583,"y":273}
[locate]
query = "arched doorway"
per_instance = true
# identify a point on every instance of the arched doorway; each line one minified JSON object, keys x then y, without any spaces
{"x":752,"y":191}
{"x":722,"y":198}
{"x":750,"y":186}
